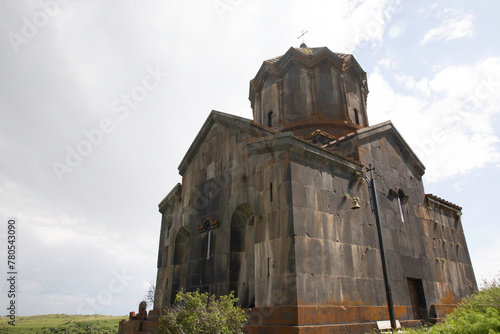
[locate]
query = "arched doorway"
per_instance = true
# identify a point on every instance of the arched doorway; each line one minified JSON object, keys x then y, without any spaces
{"x":180,"y":263}
{"x":242,"y":255}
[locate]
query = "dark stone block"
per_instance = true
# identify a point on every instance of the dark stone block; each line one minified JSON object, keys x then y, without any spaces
{"x":344,"y":231}
{"x":299,"y":194}
{"x":394,"y":266}
{"x":412,"y":267}
{"x":274,"y":226}
{"x":346,"y":250}
{"x":337,"y":264}
{"x":329,"y":230}
{"x":357,"y":233}
{"x":387,"y":238}
{"x":370,"y":235}
{"x":374,"y":264}
{"x":350,"y":291}
{"x":323,"y":201}
{"x":261,"y":230}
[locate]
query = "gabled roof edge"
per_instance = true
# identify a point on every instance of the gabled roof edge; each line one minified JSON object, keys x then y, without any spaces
{"x":175,"y":192}
{"x":365,"y":133}
{"x":443,"y":203}
{"x":201,"y":134}
{"x":223,"y":118}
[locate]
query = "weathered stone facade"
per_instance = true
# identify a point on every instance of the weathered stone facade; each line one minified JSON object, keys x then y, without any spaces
{"x":262,"y":210}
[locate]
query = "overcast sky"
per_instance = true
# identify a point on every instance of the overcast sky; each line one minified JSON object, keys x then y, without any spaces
{"x":100,"y":100}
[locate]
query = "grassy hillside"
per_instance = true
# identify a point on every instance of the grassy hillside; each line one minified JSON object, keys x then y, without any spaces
{"x":61,"y":323}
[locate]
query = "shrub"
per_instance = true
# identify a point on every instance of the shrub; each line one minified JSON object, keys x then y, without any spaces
{"x":477,"y":314}
{"x":199,"y":313}
{"x":472,"y":322}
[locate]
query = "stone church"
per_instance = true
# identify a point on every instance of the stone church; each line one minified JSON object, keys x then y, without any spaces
{"x":265,"y":209}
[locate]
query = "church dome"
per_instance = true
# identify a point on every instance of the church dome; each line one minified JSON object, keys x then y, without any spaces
{"x":310,"y":89}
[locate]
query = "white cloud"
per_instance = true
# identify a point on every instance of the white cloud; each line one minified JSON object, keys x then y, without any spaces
{"x":410,"y":84}
{"x":367,"y":23}
{"x":447,"y":119}
{"x":386,"y":62}
{"x":30,"y":287}
{"x":459,"y":186}
{"x":459,"y":26}
{"x":485,"y":258}
{"x":347,"y":25}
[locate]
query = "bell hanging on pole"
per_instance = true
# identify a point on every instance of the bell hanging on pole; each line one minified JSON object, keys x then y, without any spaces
{"x":355,"y":204}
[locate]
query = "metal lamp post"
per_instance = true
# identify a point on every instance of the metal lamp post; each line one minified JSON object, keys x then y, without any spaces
{"x":374,"y":207}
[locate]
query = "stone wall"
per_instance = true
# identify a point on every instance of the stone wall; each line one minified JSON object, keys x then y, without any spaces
{"x":246,"y":200}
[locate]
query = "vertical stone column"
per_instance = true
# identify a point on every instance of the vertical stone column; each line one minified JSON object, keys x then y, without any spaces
{"x":312,"y":92}
{"x":363,"y":103}
{"x":343,"y":93}
{"x":258,"y":108}
{"x":279,"y":87}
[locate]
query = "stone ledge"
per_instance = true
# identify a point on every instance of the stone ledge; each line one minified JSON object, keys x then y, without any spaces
{"x":358,"y":328}
{"x":286,"y":141}
{"x":324,"y":315}
{"x":438,"y":311}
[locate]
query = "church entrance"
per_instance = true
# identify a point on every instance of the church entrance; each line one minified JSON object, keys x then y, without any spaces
{"x":418,"y":304}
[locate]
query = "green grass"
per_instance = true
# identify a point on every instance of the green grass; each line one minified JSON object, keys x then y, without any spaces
{"x":61,"y":323}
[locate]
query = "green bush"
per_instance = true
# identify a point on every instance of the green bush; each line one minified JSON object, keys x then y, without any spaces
{"x":199,"y":313}
{"x":472,"y":322}
{"x":477,"y":314}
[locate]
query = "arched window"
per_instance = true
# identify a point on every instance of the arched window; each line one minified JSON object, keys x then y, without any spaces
{"x":207,"y":256}
{"x":402,"y":199}
{"x":356,"y":116}
{"x":271,"y":191}
{"x":270,"y":119}
{"x":180,"y":263}
{"x":181,"y":246}
{"x":401,"y":209}
{"x":207,"y":226}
